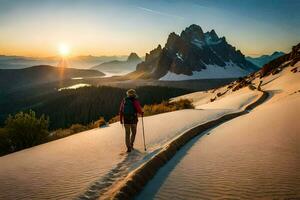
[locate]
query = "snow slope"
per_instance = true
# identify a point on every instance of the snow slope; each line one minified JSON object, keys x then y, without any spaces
{"x":235,"y":101}
{"x":255,"y":156}
{"x":211,"y":72}
{"x":228,"y":99}
{"x":87,"y":164}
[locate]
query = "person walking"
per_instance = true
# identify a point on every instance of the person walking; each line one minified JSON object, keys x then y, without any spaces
{"x":129,"y":109}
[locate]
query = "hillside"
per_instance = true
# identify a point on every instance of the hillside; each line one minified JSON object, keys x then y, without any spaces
{"x":264,"y":59}
{"x":14,"y":78}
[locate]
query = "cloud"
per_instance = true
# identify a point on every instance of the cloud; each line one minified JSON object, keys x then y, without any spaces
{"x":160,"y":13}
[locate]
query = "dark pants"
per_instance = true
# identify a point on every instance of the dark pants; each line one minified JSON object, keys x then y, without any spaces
{"x":130,"y":131}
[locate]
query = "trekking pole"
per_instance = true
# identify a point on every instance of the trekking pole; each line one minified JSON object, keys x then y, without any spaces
{"x":144,"y":134}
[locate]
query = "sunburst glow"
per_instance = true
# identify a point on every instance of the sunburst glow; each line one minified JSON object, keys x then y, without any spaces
{"x":64,"y":49}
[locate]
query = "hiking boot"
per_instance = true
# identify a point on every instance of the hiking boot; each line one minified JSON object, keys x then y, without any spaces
{"x":128,"y":150}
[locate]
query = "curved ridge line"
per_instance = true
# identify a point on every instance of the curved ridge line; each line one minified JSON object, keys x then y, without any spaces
{"x":134,"y":182}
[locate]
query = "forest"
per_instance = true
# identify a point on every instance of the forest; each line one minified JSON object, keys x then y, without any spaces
{"x":81,"y":106}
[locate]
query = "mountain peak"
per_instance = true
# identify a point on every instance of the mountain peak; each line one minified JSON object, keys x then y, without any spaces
{"x":213,"y":35}
{"x":192,"y":32}
{"x":173,"y":35}
{"x":193,"y":27}
{"x":278,"y":53}
{"x":133,"y":57}
{"x":213,"y":31}
{"x":194,"y":51}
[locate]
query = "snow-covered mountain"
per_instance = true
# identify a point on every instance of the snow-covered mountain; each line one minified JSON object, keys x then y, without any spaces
{"x":194,"y":55}
{"x":119,"y":67}
{"x":264,"y":59}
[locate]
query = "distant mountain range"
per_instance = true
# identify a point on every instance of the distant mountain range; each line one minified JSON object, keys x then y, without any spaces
{"x":194,"y":55}
{"x":14,"y":78}
{"x":276,"y":65}
{"x":81,"y":62}
{"x":264,"y":59}
{"x":119,"y":67}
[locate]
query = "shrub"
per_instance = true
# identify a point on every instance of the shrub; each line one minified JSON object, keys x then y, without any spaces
{"x":26,"y":130}
{"x":99,"y":123}
{"x":59,"y":133}
{"x":163,"y":107}
{"x":167,"y":106}
{"x":76,"y":128}
{"x":114,"y":119}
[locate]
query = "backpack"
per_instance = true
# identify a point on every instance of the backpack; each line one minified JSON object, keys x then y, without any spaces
{"x":129,"y":108}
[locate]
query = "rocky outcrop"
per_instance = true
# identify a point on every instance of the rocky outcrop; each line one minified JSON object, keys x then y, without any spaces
{"x":295,"y":54}
{"x":278,"y":64}
{"x":151,"y":60}
{"x":192,"y":50}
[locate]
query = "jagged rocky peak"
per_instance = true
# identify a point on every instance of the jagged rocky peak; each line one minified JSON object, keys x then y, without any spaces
{"x":193,"y":32}
{"x":193,"y":51}
{"x":153,"y":53}
{"x":211,"y":36}
{"x":195,"y":35}
{"x":151,"y":59}
{"x":133,"y":57}
{"x":172,"y":37}
{"x":175,"y":43}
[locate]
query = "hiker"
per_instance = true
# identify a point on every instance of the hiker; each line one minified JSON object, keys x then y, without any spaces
{"x":129,"y":109}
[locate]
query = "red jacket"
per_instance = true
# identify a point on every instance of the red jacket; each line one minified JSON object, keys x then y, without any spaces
{"x":136,"y":105}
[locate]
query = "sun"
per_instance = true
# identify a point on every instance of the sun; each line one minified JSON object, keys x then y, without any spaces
{"x":64,"y":49}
